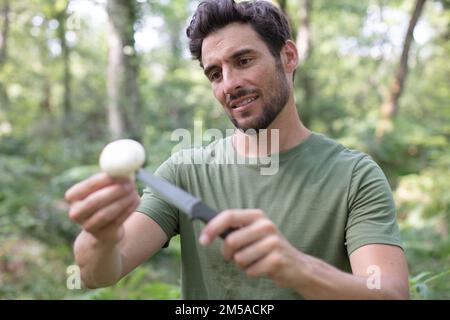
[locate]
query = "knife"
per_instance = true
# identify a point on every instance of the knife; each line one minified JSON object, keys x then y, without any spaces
{"x":193,"y":207}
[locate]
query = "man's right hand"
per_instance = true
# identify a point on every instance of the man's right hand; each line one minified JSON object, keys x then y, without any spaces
{"x":101,"y":204}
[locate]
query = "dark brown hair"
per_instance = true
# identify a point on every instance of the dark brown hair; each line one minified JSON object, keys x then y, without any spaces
{"x":265,"y":18}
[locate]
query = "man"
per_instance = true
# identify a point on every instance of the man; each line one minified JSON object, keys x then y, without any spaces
{"x":322,"y":227}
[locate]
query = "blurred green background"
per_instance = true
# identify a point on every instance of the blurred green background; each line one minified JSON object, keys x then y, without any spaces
{"x":75,"y":74}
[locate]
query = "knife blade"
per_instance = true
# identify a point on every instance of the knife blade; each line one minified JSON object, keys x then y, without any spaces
{"x":193,"y":207}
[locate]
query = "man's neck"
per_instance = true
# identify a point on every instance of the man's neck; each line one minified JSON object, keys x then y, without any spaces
{"x":284,"y":133}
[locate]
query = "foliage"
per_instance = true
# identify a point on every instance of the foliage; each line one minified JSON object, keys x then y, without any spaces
{"x":355,"y":48}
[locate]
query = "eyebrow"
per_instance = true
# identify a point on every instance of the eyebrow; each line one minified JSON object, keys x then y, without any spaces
{"x":234,"y":56}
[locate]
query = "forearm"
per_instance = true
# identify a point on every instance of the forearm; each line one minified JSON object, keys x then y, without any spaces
{"x":100,"y":262}
{"x":319,"y":280}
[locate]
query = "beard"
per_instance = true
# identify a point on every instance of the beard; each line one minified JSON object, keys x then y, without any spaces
{"x":271,"y":108}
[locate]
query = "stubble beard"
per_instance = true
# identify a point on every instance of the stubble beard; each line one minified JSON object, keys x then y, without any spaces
{"x":272,"y":108}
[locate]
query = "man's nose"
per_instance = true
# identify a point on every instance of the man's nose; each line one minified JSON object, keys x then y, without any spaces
{"x":231,"y":81}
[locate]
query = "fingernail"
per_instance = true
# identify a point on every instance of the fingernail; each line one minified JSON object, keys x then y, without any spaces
{"x":204,"y":239}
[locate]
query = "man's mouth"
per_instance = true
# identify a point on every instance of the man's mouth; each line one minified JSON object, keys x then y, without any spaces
{"x":243,"y":103}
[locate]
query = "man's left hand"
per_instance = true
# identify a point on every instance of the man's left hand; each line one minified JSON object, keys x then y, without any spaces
{"x":257,"y":247}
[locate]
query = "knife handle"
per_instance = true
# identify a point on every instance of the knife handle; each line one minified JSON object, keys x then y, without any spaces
{"x":204,"y":213}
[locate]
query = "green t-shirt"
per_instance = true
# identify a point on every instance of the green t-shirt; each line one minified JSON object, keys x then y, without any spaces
{"x":326,"y":200}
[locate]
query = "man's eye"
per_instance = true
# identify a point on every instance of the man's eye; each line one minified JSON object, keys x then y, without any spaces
{"x":215,"y":75}
{"x":244,"y":61}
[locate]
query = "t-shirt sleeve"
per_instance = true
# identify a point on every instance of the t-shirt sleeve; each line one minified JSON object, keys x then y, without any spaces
{"x":372,"y":214}
{"x":152,"y":205}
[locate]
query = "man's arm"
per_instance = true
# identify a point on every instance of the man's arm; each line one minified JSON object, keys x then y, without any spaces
{"x":115,"y":239}
{"x":379,"y":272}
{"x":260,"y":249}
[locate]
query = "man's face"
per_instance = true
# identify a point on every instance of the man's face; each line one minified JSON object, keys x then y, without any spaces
{"x":247,"y":80}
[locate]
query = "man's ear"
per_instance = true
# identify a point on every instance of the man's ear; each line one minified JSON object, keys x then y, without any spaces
{"x":289,"y":56}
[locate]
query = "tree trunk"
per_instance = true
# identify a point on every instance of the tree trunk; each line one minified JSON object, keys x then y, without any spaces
{"x":389,"y":107}
{"x":304,"y":42}
{"x":4,"y":18}
{"x":123,"y":67}
{"x":115,"y":65}
{"x":284,"y":7}
{"x":304,"y":45}
{"x":65,"y":53}
{"x":46,"y":101}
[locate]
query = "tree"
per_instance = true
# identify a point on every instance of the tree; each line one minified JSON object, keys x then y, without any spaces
{"x":123,"y":92}
{"x":4,"y":16}
{"x":389,"y":106}
{"x":61,"y":17}
{"x":304,"y":38}
{"x":4,"y":23}
{"x":304,"y":44}
{"x":284,"y":6}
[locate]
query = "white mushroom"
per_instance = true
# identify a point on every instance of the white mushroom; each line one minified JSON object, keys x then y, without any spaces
{"x":122,"y":158}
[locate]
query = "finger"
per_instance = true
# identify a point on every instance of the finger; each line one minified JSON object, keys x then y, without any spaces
{"x":108,"y":214}
{"x":257,"y":251}
{"x":82,"y":210}
{"x":266,"y":266}
{"x":128,"y":212}
{"x":84,"y":188}
{"x":112,"y":231}
{"x":245,"y":236}
{"x":228,"y":219}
